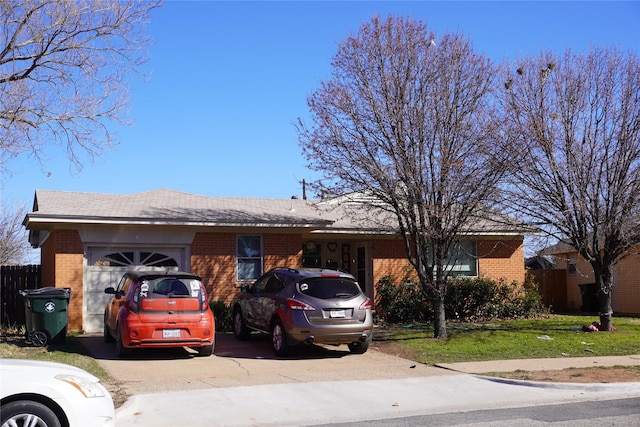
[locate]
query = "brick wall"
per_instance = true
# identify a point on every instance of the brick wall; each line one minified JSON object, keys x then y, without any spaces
{"x":626,"y":292}
{"x":389,"y":258}
{"x":213,"y":259}
{"x":501,"y":259}
{"x":62,"y":262}
{"x":498,"y":259}
{"x":282,"y":250}
{"x":583,"y":274}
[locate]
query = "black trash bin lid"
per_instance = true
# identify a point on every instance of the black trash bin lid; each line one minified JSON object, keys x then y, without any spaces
{"x":49,"y":291}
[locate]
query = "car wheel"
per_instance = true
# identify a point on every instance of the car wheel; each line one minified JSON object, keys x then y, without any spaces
{"x":27,"y":412}
{"x":105,"y":332}
{"x":121,"y":350}
{"x":240,"y":329}
{"x":358,"y":347}
{"x":205,"y":351}
{"x":279,"y":338}
{"x":39,"y":338}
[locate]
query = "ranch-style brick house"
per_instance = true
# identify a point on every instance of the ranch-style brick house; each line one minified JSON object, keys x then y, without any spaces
{"x":87,"y":241}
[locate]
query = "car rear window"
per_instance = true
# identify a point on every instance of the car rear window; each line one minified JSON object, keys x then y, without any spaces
{"x":329,"y":287}
{"x":170,"y":288}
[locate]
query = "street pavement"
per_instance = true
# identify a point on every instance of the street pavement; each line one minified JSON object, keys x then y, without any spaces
{"x":243,"y":384}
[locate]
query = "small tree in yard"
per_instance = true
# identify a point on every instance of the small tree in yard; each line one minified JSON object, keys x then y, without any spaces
{"x":573,"y":126}
{"x":14,"y":244}
{"x":406,"y":121}
{"x":63,"y":73}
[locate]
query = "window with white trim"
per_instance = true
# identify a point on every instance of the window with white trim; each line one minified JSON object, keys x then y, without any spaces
{"x":248,"y":257}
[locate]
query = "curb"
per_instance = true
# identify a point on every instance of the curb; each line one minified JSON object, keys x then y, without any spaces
{"x":631,"y":386}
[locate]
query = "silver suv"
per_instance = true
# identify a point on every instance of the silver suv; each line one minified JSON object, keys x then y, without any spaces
{"x":307,"y":305}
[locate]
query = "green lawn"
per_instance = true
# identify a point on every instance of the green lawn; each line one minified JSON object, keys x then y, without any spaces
{"x":516,"y":339}
{"x":71,"y":352}
{"x":511,"y":339}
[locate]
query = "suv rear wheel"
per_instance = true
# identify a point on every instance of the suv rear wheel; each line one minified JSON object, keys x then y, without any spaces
{"x":279,"y":338}
{"x":358,"y":347}
{"x":240,"y":329}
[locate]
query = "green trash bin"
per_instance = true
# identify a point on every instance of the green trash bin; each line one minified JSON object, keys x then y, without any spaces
{"x":46,"y":314}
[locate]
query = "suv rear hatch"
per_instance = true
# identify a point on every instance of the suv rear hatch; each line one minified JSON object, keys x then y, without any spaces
{"x":335,"y":299}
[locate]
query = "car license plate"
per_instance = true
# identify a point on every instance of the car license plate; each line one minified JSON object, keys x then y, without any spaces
{"x":171,"y":333}
{"x":336,"y":314}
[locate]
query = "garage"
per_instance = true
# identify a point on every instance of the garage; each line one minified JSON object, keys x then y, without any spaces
{"x":107,"y":265}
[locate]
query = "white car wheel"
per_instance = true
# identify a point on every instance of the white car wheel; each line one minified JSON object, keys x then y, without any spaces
{"x":28,"y":413}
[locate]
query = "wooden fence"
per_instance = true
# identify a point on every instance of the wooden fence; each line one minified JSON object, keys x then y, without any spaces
{"x":552,"y":288}
{"x":14,"y":278}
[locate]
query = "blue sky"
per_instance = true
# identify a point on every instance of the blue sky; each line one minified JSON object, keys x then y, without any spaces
{"x":227,"y":80}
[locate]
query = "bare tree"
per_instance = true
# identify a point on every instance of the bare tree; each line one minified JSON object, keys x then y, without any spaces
{"x":407,"y":122}
{"x":573,"y":123}
{"x":63,"y":73}
{"x":13,"y":237}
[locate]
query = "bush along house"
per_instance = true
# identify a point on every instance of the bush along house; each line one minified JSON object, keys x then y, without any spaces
{"x":88,"y":240}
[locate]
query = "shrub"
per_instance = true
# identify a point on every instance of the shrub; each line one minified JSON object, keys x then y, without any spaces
{"x":223,"y":315}
{"x":518,"y":300}
{"x":402,"y":303}
{"x":468,"y":299}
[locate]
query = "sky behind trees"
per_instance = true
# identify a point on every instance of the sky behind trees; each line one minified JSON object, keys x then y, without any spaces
{"x":226,"y":81}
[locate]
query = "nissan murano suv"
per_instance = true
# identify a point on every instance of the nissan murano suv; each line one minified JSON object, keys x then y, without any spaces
{"x":159,"y":310}
{"x":307,"y":305}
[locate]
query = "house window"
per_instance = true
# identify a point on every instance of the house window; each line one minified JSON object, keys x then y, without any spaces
{"x":249,"y":257}
{"x":132,"y":258}
{"x":462,"y":259}
{"x":311,"y":255}
{"x":155,"y":259}
{"x":115,"y":259}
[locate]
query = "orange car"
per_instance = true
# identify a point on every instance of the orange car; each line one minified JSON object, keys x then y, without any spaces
{"x":159,"y":310}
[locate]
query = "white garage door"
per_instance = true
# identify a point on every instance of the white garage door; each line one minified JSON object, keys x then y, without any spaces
{"x":105,"y":267}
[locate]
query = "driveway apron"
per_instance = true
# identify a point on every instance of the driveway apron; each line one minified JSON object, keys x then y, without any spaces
{"x":245,"y":363}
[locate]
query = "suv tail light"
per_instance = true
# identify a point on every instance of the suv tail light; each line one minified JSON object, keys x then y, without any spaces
{"x":366,"y":305}
{"x":294,"y":304}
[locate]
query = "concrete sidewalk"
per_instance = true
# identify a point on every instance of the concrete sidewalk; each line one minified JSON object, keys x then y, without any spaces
{"x":243,"y":385}
{"x":315,"y":403}
{"x":540,"y":364}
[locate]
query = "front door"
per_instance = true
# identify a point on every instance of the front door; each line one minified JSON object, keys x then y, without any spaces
{"x":363,"y":270}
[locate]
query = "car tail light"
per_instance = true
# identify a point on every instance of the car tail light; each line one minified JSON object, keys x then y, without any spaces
{"x":294,"y":304}
{"x":203,"y":297}
{"x":366,"y":305}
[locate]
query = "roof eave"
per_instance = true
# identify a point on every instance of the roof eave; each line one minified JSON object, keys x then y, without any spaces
{"x":33,"y":220}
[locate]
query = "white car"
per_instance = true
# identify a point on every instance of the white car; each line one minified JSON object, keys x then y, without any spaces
{"x":48,"y":394}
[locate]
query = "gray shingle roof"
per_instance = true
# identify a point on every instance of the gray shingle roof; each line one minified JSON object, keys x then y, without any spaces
{"x":170,"y":206}
{"x":163,"y":206}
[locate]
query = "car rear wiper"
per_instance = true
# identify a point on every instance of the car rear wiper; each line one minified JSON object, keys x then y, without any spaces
{"x":344,"y":295}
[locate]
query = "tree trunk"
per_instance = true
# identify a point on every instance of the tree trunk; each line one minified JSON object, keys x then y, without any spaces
{"x":439,"y":318}
{"x":606,"y":314}
{"x":603,"y":280}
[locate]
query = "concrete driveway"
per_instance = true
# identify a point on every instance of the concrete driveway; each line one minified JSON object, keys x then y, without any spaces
{"x":247,"y":363}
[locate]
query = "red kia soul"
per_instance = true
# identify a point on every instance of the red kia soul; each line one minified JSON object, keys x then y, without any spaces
{"x":159,"y":309}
